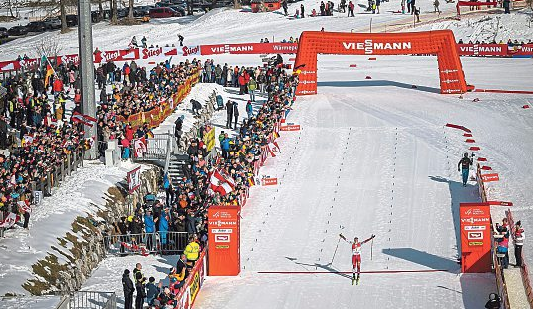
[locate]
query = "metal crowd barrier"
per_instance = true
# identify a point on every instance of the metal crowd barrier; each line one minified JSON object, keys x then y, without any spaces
{"x":92,"y":300}
{"x":146,"y":243}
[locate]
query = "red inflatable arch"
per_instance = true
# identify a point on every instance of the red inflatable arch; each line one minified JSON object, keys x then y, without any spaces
{"x":440,"y":42}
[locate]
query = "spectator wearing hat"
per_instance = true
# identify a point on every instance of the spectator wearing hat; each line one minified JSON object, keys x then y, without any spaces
{"x":518,"y":237}
{"x":149,"y":228}
{"x":127,"y":286}
{"x":235,"y":114}
{"x":503,"y":247}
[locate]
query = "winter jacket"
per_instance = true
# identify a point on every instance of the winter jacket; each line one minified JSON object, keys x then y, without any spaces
{"x":192,"y":251}
{"x":151,"y":293}
{"x":127,"y":285}
{"x":225,"y":144}
{"x":149,"y":224}
{"x":252,"y":85}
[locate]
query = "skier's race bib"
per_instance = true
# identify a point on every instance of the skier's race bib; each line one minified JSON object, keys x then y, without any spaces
{"x":356,"y":249}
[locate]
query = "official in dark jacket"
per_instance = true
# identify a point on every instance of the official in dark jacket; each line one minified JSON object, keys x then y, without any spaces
{"x":127,"y":285}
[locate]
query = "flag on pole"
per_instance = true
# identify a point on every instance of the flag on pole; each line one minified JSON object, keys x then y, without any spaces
{"x":221,"y":182}
{"x":85,"y":119}
{"x":49,"y":69}
{"x":10,"y":220}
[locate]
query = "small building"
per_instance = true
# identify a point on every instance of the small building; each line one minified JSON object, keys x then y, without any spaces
{"x":265,"y":5}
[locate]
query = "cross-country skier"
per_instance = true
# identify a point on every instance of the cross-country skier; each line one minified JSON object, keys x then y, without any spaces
{"x":464,"y":163}
{"x":356,"y":254}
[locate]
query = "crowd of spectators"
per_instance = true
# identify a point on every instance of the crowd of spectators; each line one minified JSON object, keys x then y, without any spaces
{"x":184,"y":208}
{"x":32,"y":111}
{"x":134,"y":90}
{"x":36,"y":134}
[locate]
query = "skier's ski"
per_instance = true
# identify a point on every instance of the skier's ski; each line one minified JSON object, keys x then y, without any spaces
{"x":357,"y":280}
{"x":353,"y":279}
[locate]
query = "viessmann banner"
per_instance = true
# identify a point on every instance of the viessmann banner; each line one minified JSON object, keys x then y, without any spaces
{"x":482,"y":50}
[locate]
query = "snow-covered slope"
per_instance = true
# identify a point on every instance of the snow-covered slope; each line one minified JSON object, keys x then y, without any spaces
{"x":488,"y":27}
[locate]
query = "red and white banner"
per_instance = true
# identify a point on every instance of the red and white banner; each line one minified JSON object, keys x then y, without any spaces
{"x":482,"y":50}
{"x":490,"y":177}
{"x":269,"y":181}
{"x":9,"y":221}
{"x":188,"y":293}
{"x":250,"y":48}
{"x":85,"y":119}
{"x":221,"y":182}
{"x":140,"y":146}
{"x":134,"y":179}
{"x":117,"y":55}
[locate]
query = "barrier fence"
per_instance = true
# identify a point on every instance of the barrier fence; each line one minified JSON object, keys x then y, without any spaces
{"x":92,"y":300}
{"x":524,"y":270}
{"x":189,"y":292}
{"x":146,"y":243}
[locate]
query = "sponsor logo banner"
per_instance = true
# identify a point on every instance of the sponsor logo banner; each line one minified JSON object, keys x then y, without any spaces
{"x":251,"y":48}
{"x":482,"y":49}
{"x":490,"y":177}
{"x":270,"y":181}
{"x":293,"y":127}
{"x":475,"y":235}
{"x":222,"y":238}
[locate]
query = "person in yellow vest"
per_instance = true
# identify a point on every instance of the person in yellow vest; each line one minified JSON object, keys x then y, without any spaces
{"x":192,"y":251}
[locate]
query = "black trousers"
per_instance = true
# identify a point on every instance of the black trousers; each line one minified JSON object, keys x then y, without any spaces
{"x":139,"y":302}
{"x":128,"y":301}
{"x":518,"y":255}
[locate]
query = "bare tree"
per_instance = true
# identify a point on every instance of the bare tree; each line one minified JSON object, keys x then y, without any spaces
{"x":114,"y":11}
{"x":236,"y":4}
{"x":130,"y":13}
{"x":48,"y":47}
{"x":100,"y":10}
{"x":64,"y":27}
{"x":189,"y":7}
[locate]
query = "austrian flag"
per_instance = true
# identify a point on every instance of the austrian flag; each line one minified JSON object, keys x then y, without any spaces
{"x":221,"y":182}
{"x":85,"y":119}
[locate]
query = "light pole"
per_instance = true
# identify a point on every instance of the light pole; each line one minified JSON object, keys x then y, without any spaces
{"x":88,"y":103}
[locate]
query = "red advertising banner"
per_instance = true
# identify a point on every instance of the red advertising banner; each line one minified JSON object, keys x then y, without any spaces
{"x":250,"y":48}
{"x":524,"y":50}
{"x":188,"y":293}
{"x":482,"y":50}
{"x":224,"y":240}
{"x":117,"y":55}
{"x":475,"y":237}
{"x":269,"y":181}
{"x":490,"y":177}
{"x":290,"y":127}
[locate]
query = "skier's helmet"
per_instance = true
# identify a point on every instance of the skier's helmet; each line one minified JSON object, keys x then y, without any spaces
{"x":466,"y":154}
{"x":355,"y":239}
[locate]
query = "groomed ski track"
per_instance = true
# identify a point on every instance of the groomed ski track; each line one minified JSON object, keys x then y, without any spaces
{"x":372,"y":157}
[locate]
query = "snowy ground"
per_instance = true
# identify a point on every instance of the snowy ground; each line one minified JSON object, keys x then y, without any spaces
{"x":221,"y":26}
{"x":488,"y":27}
{"x":384,"y":144}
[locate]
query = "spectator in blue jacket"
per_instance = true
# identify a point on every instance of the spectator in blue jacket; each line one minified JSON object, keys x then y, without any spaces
{"x":167,"y":185}
{"x":149,"y":228}
{"x":224,"y":145}
{"x":152,"y":291}
{"x":163,"y":227}
{"x":249,"y":109}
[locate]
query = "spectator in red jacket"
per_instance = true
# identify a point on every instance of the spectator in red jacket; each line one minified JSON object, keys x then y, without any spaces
{"x":57,"y":86}
{"x":242,"y":83}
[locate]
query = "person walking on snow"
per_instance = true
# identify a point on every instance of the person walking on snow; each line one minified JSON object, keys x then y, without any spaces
{"x":464,"y":163}
{"x":356,"y":253}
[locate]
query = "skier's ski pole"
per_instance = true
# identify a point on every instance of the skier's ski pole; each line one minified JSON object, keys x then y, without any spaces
{"x":335,"y":251}
{"x":371,"y":245}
